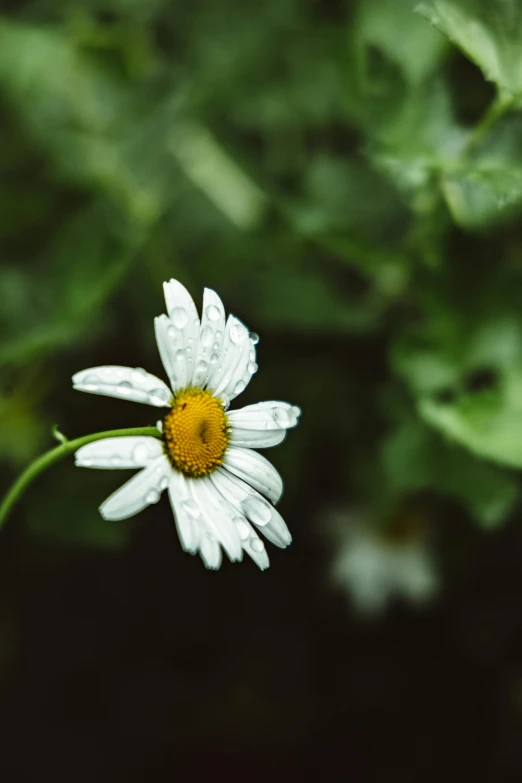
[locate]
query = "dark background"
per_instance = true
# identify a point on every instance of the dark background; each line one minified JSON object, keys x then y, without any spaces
{"x":350,"y":182}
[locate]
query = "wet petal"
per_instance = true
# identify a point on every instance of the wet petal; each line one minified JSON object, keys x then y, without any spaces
{"x":124,"y":452}
{"x":210,"y":338}
{"x":128,"y":383}
{"x":218,"y":516}
{"x":254,"y":507}
{"x":271,"y":415}
{"x":235,"y":368}
{"x":255,"y":470}
{"x":187,"y":524}
{"x":256,"y":439}
{"x":139,"y":492}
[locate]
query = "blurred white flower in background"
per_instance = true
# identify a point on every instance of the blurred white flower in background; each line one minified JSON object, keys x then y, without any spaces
{"x":376,"y":566}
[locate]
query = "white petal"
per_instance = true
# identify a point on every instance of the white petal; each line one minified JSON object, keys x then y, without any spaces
{"x":128,"y":383}
{"x":188,"y":526}
{"x":177,"y":335}
{"x":256,"y":549}
{"x":124,"y":452}
{"x":210,"y":338}
{"x":255,"y":470}
{"x":218,"y":516}
{"x":256,"y":439}
{"x":235,"y":368}
{"x":272,"y":415}
{"x":139,"y":492}
{"x":180,"y":305}
{"x":210,"y":552}
{"x":250,"y":503}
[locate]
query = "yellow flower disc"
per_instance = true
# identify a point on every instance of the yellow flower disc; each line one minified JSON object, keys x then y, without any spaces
{"x":195,"y":433}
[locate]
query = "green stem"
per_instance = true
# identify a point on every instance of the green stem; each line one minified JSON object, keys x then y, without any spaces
{"x":56,"y":454}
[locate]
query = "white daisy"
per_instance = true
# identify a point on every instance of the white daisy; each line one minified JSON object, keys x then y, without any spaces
{"x":375,"y":567}
{"x":217,"y":485}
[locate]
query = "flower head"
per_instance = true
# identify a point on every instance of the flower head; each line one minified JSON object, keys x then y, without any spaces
{"x":218,"y":486}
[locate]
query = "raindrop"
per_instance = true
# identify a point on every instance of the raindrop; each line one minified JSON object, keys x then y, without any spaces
{"x":164,"y":482}
{"x":159,"y":396}
{"x":282,"y":417}
{"x":90,"y":382}
{"x":125,"y":387}
{"x":212,"y":313}
{"x":238,"y":388}
{"x":252,"y":367}
{"x":180,"y":355}
{"x":257,"y":545}
{"x":214,"y":358}
{"x":237,"y":333}
{"x":140,"y":453}
{"x":257,"y":510}
{"x":152,"y":496}
{"x":179,"y":317}
{"x":225,"y":402}
{"x":206,"y":336}
{"x":242,"y":528}
{"x":254,"y":338}
{"x":252,"y":355}
{"x":171,"y":333}
{"x":139,"y":375}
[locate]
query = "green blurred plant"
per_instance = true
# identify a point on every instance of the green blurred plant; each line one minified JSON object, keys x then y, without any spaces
{"x":346,"y":176}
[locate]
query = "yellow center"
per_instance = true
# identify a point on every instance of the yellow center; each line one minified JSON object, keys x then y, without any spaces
{"x":195,"y":432}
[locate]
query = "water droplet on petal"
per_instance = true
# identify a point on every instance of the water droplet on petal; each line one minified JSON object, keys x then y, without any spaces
{"x":90,"y":382}
{"x":252,"y":355}
{"x":238,"y":388}
{"x":237,"y":333}
{"x":164,"y":482}
{"x":152,"y":496}
{"x":180,"y":355}
{"x":257,"y":545}
{"x":201,"y":367}
{"x":159,"y":396}
{"x":139,"y":375}
{"x":214,"y":358}
{"x":257,"y":510}
{"x":140,"y":453}
{"x":206,"y":336}
{"x":252,"y":367}
{"x":125,"y":387}
{"x":172,"y":333}
{"x":179,"y":317}
{"x":243,"y":528}
{"x":282,"y":417}
{"x":254,"y":338}
{"x":225,"y":402}
{"x":212,"y":313}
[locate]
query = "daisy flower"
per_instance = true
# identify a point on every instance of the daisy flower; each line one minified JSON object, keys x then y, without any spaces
{"x":221,"y":491}
{"x":376,"y":567}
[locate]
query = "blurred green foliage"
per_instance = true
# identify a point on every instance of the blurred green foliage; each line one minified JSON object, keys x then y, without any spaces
{"x":348,"y":176}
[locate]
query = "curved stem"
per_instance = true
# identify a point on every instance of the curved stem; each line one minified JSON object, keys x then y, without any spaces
{"x":56,"y":454}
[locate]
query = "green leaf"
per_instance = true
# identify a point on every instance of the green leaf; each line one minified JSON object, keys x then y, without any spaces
{"x":489,"y":32}
{"x":488,"y":424}
{"x":416,"y":458}
{"x":487,"y":188}
{"x":387,"y":26}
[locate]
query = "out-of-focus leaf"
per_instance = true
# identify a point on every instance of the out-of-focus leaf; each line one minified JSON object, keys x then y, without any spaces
{"x":487,"y":187}
{"x":416,"y":458}
{"x":488,"y":31}
{"x":387,"y":25}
